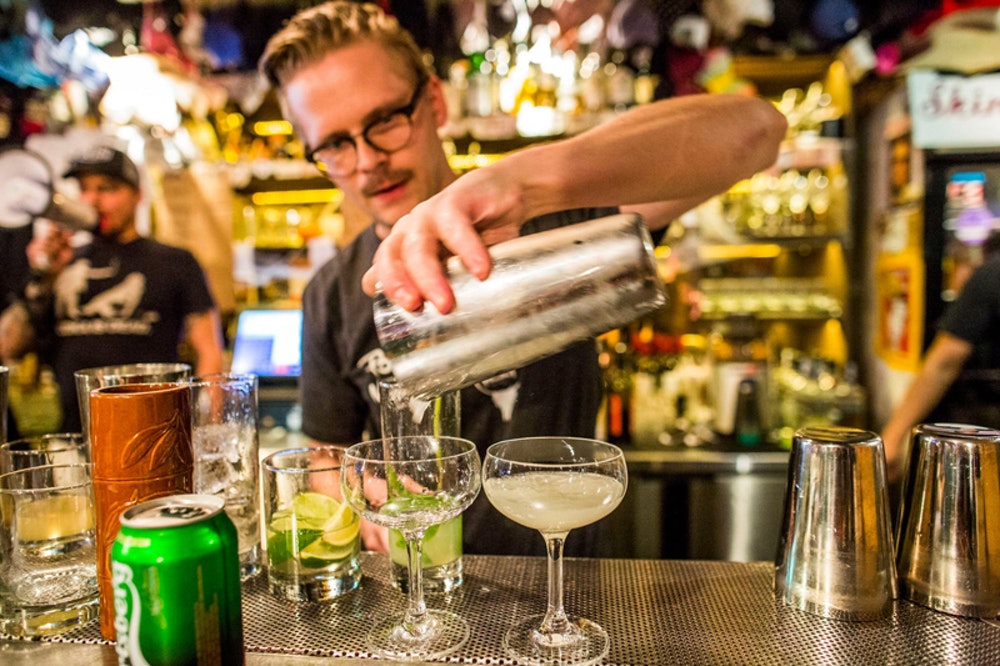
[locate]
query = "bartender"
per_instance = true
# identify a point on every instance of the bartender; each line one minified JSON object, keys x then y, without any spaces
{"x":379,"y":144}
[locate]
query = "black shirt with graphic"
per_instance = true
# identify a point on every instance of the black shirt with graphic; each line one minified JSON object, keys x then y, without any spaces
{"x":121,"y":303}
{"x":341,"y":362}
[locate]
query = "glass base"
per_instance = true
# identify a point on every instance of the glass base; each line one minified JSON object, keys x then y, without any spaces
{"x":25,"y":621}
{"x":250,"y":562}
{"x":437,"y":580}
{"x":315,"y":587}
{"x":585,"y":643}
{"x":445,"y":633}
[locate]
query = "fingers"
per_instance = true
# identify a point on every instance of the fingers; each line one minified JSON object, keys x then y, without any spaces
{"x":409,"y":267}
{"x":50,"y":251}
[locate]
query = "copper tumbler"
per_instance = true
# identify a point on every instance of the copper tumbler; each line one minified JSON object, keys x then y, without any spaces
{"x":141,"y":449}
{"x":835,"y":553}
{"x":948,"y":532}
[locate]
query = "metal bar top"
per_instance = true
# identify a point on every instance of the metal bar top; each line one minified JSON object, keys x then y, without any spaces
{"x":655,"y":611}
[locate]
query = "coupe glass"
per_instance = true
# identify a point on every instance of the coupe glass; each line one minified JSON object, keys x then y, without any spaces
{"x":409,"y":484}
{"x":555,"y":484}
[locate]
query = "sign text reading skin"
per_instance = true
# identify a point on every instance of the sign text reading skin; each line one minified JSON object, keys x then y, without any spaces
{"x":951,"y":111}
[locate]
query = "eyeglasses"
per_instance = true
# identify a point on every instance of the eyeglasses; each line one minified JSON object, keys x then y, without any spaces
{"x":338,"y":155}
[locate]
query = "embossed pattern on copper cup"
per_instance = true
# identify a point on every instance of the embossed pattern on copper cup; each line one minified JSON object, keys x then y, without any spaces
{"x":141,"y":449}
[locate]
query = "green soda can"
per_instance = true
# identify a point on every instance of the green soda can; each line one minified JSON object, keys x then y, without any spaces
{"x":176,"y":574}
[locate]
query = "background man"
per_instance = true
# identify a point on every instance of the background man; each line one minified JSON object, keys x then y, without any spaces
{"x":121,"y":298}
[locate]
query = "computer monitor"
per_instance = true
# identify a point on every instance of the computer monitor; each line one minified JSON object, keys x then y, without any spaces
{"x":268,"y":343}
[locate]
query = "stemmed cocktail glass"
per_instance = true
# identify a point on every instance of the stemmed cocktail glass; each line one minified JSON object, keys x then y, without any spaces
{"x":555,"y":484}
{"x":408,"y":484}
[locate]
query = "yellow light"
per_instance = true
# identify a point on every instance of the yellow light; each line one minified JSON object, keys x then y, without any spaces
{"x":291,"y":197}
{"x":272,"y":128}
{"x":234,"y":121}
{"x":749,"y":251}
{"x":468,"y":162}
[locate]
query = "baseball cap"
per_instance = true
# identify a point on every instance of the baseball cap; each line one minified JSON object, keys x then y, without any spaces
{"x":106,"y":161}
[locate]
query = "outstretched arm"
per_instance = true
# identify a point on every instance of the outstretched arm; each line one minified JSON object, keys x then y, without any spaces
{"x":944,"y":361}
{"x":681,"y":150}
{"x":203,"y":331}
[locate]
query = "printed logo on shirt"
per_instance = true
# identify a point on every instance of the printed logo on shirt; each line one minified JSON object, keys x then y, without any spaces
{"x":112,"y":311}
{"x":502,"y":389}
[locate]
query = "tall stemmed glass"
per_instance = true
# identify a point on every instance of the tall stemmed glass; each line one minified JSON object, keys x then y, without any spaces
{"x":555,"y":484}
{"x":408,"y":484}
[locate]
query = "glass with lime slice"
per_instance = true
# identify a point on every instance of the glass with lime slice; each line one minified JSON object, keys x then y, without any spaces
{"x":440,"y":557}
{"x":403,"y":415}
{"x":313,"y":539}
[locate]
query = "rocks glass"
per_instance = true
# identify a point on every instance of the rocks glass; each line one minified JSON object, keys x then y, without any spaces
{"x":48,"y":578}
{"x":313,"y":538}
{"x":65,"y":448}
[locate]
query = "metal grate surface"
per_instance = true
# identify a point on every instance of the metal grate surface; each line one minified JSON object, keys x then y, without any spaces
{"x":656,"y":612}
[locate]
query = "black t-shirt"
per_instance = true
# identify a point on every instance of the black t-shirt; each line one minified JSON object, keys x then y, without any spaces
{"x":117,"y":304}
{"x":975,"y":317}
{"x":342,"y":362}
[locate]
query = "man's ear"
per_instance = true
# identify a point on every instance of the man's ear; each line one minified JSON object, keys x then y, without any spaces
{"x":436,"y":92}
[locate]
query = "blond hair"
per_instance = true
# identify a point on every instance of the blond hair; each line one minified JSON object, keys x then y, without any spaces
{"x":313,"y":33}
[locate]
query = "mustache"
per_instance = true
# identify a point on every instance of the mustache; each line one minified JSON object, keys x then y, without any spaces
{"x":379,"y":181}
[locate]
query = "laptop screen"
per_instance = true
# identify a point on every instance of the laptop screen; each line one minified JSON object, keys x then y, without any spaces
{"x":268,"y":343}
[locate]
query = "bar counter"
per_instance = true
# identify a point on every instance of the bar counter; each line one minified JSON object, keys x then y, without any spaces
{"x":655,"y":611}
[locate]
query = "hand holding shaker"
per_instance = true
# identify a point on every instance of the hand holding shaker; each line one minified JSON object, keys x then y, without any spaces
{"x":546,"y":291}
{"x":141,"y":449}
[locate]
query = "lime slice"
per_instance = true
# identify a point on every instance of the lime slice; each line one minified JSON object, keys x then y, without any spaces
{"x":296,"y":530}
{"x":344,"y":535}
{"x":320,"y":554}
{"x":314,"y":506}
{"x":341,"y":518}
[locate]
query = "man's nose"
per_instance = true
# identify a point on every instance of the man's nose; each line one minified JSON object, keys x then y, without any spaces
{"x":369,"y":156}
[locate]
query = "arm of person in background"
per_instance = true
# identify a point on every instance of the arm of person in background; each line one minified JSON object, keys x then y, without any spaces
{"x":48,"y":254}
{"x":203,"y":331}
{"x":942,"y":365}
{"x":680,"y":150}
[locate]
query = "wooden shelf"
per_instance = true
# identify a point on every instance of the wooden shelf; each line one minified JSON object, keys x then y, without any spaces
{"x":774,"y":74}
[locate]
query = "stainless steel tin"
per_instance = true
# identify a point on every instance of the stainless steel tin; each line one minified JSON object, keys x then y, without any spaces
{"x":545,"y":292}
{"x":948,"y":533}
{"x":835,"y":553}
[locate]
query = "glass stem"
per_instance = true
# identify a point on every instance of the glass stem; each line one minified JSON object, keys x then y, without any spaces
{"x":555,"y":622}
{"x":415,"y":621}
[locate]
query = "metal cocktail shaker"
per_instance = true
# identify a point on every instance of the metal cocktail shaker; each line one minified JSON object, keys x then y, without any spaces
{"x":948,"y":532}
{"x":546,"y":291}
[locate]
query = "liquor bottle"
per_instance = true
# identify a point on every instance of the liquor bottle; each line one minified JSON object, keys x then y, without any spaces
{"x":618,"y":393}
